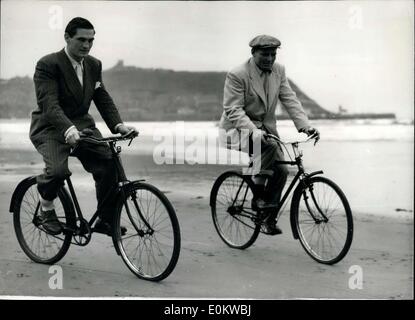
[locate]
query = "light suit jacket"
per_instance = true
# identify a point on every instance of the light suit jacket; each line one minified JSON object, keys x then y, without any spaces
{"x":63,"y":102}
{"x":245,"y":105}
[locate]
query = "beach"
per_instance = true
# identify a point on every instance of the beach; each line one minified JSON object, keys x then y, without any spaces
{"x":376,"y":176}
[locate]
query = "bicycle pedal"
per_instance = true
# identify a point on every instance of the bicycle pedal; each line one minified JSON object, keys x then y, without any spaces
{"x":108,"y":232}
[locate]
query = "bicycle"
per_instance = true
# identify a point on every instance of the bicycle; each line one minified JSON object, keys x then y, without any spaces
{"x":320,"y":215}
{"x":145,"y":228}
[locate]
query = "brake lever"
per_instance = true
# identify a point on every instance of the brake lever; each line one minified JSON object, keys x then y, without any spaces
{"x":315,"y":137}
{"x":133,"y":134}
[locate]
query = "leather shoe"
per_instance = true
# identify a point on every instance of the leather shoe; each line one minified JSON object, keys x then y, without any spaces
{"x":104,"y":227}
{"x":49,"y":221}
{"x":271,"y":228}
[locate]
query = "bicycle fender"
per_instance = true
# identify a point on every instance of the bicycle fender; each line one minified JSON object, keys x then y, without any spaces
{"x":126,"y":187}
{"x":17,"y":190}
{"x":314,"y":173}
{"x":296,"y":195}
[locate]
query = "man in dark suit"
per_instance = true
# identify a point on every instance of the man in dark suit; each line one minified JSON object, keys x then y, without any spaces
{"x":250,"y":98}
{"x":65,"y":83}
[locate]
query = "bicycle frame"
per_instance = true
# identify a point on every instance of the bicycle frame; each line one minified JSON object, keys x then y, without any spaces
{"x":301,"y":175}
{"x":122,"y":179}
{"x":122,"y":184}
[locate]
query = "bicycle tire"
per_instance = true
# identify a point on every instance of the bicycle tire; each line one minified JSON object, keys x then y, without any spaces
{"x":227,"y":223}
{"x":317,"y":238}
{"x":36,"y":244}
{"x":166,"y":225}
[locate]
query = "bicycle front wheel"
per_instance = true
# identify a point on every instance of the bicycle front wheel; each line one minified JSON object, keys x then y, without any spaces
{"x":323,"y":220}
{"x":150,"y":245}
{"x":232,"y":213}
{"x":36,"y":242}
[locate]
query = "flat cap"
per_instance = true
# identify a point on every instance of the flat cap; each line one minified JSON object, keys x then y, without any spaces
{"x":264,"y":41}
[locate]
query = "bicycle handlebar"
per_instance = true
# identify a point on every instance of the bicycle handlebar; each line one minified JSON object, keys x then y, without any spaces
{"x":313,"y":136}
{"x":86,"y":136}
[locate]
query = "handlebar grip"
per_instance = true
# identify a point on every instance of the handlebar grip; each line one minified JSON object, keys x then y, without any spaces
{"x":131,"y":134}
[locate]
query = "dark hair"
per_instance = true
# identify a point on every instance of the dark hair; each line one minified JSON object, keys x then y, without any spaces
{"x":77,"y":23}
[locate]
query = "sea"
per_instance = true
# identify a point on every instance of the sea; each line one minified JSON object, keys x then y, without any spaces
{"x":14,"y":132}
{"x":371,"y":160}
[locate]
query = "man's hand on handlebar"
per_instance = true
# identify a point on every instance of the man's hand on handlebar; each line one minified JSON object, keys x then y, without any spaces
{"x":72,"y":136}
{"x":123,"y":129}
{"x":312,"y":132}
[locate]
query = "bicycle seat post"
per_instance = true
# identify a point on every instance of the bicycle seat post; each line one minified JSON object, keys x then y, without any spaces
{"x":73,"y":196}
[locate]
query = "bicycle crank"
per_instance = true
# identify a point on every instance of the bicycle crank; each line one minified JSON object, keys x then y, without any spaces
{"x":82,"y":234}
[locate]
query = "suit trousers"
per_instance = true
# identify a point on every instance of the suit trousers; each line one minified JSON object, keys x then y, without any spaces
{"x":271,"y":151}
{"x":95,"y":160}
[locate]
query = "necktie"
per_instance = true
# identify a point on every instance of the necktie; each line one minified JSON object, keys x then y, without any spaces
{"x":266,"y":89}
{"x":78,"y":69}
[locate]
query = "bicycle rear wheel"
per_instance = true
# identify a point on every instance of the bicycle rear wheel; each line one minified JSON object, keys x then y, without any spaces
{"x":151,"y":245}
{"x":36,"y":242}
{"x":323,"y":220}
{"x":231,"y":205}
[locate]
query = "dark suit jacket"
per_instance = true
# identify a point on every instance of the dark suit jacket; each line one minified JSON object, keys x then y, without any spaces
{"x":62,"y":102}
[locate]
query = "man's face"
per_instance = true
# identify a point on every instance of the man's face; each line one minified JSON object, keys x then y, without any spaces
{"x":80,"y":44}
{"x":265,"y":58}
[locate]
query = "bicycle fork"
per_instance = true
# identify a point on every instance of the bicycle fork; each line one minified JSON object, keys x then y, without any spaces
{"x":139,"y":230}
{"x":310,"y":211}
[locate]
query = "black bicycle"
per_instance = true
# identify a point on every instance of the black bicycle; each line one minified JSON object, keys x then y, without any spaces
{"x":320,"y":214}
{"x":145,"y":229}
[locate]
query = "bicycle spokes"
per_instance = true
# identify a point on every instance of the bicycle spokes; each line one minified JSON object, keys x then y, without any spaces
{"x":149,"y":246}
{"x":35,"y":241}
{"x":232,"y":211}
{"x":324,"y":221}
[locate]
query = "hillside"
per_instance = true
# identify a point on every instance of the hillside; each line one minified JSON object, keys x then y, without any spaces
{"x":147,"y":94}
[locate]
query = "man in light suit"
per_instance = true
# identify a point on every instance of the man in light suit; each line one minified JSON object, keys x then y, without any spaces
{"x":250,"y":98}
{"x":65,"y":83}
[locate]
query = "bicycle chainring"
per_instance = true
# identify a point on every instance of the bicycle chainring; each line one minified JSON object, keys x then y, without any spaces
{"x":83,"y":233}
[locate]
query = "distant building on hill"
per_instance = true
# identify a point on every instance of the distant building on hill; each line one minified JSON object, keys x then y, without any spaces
{"x":159,"y":94}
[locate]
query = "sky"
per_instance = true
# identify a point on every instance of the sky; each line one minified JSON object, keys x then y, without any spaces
{"x":358,"y":54}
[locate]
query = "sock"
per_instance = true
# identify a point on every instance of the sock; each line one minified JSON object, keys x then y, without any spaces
{"x":47,"y":205}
